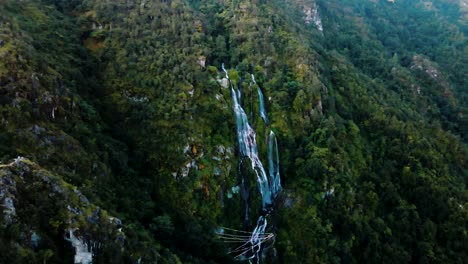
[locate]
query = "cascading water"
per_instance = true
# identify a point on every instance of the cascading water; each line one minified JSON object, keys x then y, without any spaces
{"x":260,"y":101}
{"x":273,"y":164}
{"x":248,"y":147}
{"x":83,"y":255}
{"x":268,"y":187}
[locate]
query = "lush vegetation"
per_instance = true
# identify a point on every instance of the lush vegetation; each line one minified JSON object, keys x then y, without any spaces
{"x":117,"y":97}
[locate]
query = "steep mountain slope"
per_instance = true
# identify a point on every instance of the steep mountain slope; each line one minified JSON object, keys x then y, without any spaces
{"x":126,"y":101}
{"x":39,"y":206}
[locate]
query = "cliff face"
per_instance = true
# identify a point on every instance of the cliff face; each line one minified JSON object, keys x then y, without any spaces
{"x":41,"y":212}
{"x":124,"y":106}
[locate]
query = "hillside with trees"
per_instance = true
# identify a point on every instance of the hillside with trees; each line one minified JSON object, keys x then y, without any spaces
{"x":118,"y":131}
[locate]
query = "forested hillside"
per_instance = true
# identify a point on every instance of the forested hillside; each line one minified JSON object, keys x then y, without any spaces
{"x":118,"y":140}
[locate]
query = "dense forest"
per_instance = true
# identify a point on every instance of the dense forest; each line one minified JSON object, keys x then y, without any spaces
{"x":118,"y":139}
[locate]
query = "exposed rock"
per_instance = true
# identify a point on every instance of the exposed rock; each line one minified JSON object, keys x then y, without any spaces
{"x":37,"y":130}
{"x":184,"y":170}
{"x":95,"y":216}
{"x":186,"y":149}
{"x":135,"y":98}
{"x":73,"y":210}
{"x":201,"y":61}
{"x":83,"y":198}
{"x":116,"y":221}
{"x":9,"y":210}
{"x":429,"y":69}
{"x":312,"y":15}
{"x":224,"y":82}
{"x":96,"y":26}
{"x":416,"y":88}
{"x":7,"y":195}
{"x":229,"y":151}
{"x":328,"y":193}
{"x":319,"y":106}
{"x":422,"y":64}
{"x":428,"y":5}
{"x":18,"y":161}
{"x":220,"y":149}
{"x":23,"y":175}
{"x":191,"y":92}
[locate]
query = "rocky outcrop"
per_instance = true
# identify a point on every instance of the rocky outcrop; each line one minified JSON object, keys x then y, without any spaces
{"x":201,"y":61}
{"x":419,"y":63}
{"x":425,"y":69}
{"x":28,"y":193}
{"x":312,"y":16}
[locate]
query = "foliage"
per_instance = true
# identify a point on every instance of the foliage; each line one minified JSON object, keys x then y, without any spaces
{"x":370,"y":116}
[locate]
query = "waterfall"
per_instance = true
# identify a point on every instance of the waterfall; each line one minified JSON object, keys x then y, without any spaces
{"x":273,"y":165}
{"x":83,"y":255}
{"x":260,"y":101}
{"x":257,"y":235}
{"x":268,"y":186}
{"x":248,"y":147}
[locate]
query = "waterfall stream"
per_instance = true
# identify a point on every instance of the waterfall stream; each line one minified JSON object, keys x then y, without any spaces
{"x":260,"y":101}
{"x":273,"y":165}
{"x":83,"y":254}
{"x":268,"y":186}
